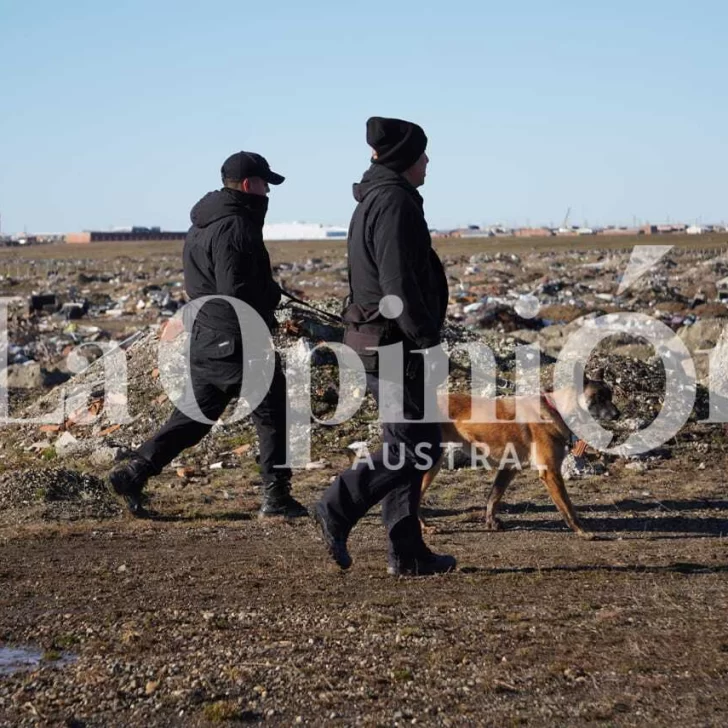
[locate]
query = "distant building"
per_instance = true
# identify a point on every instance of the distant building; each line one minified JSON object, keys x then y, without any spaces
{"x":633,"y":231}
{"x":475,"y":231}
{"x":49,"y":237}
{"x":533,"y":232}
{"x":668,"y":229}
{"x":472,"y":231}
{"x":123,"y":235}
{"x":671,"y":228}
{"x":303,"y":231}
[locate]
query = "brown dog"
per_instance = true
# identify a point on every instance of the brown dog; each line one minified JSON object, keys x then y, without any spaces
{"x":543,"y":444}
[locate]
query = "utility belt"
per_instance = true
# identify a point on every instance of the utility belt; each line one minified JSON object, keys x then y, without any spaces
{"x":365,"y":330}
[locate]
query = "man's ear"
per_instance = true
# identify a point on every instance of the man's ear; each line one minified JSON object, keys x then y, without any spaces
{"x":246,"y":185}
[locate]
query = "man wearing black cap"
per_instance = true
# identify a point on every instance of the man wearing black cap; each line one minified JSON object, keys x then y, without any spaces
{"x":224,"y":255}
{"x":390,"y":254}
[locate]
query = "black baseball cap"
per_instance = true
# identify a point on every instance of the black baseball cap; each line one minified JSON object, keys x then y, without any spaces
{"x":241,"y":165}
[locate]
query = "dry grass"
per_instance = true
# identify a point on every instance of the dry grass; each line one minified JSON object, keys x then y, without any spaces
{"x":326,"y":249}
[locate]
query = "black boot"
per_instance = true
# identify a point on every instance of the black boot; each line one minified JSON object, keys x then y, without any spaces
{"x":335,"y":541}
{"x":127,"y":482}
{"x":278,"y":501}
{"x":425,"y":563}
{"x":409,"y":556}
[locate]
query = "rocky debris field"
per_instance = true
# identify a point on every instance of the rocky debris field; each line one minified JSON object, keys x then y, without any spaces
{"x":207,"y":616}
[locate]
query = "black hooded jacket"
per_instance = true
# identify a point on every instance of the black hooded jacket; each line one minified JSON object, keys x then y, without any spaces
{"x":390,"y":253}
{"x":224,"y":255}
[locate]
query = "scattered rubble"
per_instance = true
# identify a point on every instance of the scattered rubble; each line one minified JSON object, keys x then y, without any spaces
{"x":56,"y":494}
{"x":502,"y":300}
{"x":578,"y":468}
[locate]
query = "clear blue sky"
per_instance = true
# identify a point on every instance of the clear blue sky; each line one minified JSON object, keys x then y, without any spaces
{"x":121,"y":113}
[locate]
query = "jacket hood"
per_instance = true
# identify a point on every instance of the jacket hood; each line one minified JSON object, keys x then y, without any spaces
{"x":228,"y":203}
{"x":378,"y":176}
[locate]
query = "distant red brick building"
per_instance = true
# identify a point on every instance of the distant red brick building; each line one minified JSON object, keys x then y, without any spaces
{"x":121,"y":236}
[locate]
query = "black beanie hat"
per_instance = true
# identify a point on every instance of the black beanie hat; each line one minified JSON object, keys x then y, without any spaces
{"x":398,"y":144}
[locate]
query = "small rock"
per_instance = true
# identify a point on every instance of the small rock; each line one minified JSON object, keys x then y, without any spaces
{"x":317,"y":465}
{"x":637,"y":466}
{"x":25,"y":376}
{"x":66,"y":444}
{"x":39,"y":446}
{"x":104,"y":456}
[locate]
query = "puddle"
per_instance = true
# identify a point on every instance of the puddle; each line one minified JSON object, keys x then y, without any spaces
{"x":17,"y":659}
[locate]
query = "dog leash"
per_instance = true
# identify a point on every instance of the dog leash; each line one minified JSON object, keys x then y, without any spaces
{"x":579,"y":447}
{"x":325,"y":314}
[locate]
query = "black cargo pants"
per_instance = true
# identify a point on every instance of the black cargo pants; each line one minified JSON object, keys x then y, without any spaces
{"x":216,"y":367}
{"x":395,"y":478}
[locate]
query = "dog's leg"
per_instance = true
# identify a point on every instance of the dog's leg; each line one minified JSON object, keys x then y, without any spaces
{"x":427,"y":479}
{"x":551,"y":477}
{"x":502,"y":480}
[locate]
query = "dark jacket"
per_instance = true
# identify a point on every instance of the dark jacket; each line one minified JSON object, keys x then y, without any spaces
{"x":390,"y":253}
{"x":224,"y":255}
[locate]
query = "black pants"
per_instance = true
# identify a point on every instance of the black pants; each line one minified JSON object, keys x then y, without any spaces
{"x":216,"y":367}
{"x":356,"y":490}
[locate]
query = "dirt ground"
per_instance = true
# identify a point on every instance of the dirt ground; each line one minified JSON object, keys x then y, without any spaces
{"x":212,"y":615}
{"x":209,"y":616}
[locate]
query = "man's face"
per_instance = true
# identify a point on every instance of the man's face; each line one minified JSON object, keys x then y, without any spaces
{"x":418,"y":171}
{"x":256,"y":186}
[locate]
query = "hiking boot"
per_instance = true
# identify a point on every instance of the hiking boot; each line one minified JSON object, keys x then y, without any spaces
{"x":425,"y":563}
{"x":126,"y":481}
{"x":408,"y":554}
{"x":278,"y":501}
{"x":335,"y":544}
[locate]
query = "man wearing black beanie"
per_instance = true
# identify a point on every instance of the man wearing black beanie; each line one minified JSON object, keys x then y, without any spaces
{"x":390,"y":255}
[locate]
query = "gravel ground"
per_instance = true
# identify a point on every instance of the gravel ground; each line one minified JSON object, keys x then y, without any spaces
{"x":209,"y":615}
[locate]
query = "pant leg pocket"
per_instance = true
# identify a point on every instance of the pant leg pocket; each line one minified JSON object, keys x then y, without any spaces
{"x":209,"y":344}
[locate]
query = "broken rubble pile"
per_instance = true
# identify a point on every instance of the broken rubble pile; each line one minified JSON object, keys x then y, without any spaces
{"x":60,"y":493}
{"x":492,"y":301}
{"x":84,"y":426}
{"x":638,"y":387}
{"x":535,"y":296}
{"x":80,"y":305}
